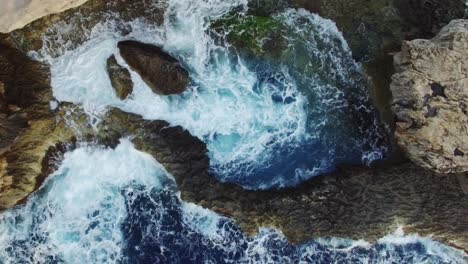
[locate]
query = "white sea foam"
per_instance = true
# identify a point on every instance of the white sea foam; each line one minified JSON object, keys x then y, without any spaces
{"x":76,"y":216}
{"x":226,"y":105}
{"x":240,"y":125}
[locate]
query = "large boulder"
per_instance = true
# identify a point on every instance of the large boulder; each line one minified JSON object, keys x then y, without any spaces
{"x":430,"y":90}
{"x":160,"y":71}
{"x":120,"y":78}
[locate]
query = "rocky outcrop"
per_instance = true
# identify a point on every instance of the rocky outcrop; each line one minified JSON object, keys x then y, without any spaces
{"x":160,"y":71}
{"x":430,"y":91}
{"x":74,"y":26}
{"x":15,"y":14}
{"x":120,"y":78}
{"x":28,"y":128}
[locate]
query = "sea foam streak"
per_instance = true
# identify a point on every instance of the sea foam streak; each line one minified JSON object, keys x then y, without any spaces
{"x":265,"y":125}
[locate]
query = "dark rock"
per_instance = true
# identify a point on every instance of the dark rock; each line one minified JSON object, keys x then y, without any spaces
{"x":438,"y":90}
{"x":431,"y":112}
{"x":426,"y":99}
{"x":25,"y":81}
{"x":160,"y":71}
{"x":458,"y":152}
{"x":120,"y":78}
{"x":426,"y":17}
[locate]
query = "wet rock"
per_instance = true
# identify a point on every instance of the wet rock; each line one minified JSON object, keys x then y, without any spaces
{"x":28,"y":128}
{"x":75,"y":24}
{"x":120,"y":78}
{"x":25,"y":82}
{"x":160,"y":71}
{"x":355,"y":202}
{"x":436,"y":66}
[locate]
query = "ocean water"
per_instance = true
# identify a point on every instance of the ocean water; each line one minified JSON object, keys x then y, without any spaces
{"x":266,"y":125}
{"x":121,"y":206}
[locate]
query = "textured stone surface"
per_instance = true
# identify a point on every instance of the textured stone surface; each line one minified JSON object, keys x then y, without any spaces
{"x":120,"y":78}
{"x":15,"y":14}
{"x":430,"y":90}
{"x":160,"y":71}
{"x":68,"y":29}
{"x":28,"y":127}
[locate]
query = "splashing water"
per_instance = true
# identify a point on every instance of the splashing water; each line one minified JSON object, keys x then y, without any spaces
{"x":120,"y":206}
{"x":265,"y":124}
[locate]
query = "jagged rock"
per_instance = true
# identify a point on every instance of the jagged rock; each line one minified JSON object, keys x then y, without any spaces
{"x":28,"y":128}
{"x":160,"y":71}
{"x":436,"y":67}
{"x":120,"y":78}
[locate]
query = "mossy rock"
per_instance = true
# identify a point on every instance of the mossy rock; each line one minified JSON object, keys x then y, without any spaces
{"x":255,"y":35}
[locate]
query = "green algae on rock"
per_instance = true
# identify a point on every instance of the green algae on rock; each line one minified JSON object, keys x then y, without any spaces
{"x":257,"y":35}
{"x":30,"y":124}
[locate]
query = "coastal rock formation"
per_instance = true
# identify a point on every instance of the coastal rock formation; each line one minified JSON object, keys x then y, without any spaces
{"x":69,"y":29}
{"x":120,"y":78}
{"x":28,"y":128}
{"x":160,"y":71}
{"x":430,"y":90}
{"x":15,"y":14}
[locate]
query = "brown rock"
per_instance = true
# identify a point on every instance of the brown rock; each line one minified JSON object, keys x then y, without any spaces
{"x":436,"y":67}
{"x":120,"y":78}
{"x":160,"y":71}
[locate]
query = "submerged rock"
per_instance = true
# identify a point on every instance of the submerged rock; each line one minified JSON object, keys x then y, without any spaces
{"x":160,"y":71}
{"x":436,"y":67}
{"x":120,"y":78}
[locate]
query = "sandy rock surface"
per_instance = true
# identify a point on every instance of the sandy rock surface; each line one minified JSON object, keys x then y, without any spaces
{"x":16,"y":14}
{"x":430,"y":90}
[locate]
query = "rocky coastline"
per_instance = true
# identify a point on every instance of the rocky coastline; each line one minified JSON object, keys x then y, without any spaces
{"x":360,"y":203}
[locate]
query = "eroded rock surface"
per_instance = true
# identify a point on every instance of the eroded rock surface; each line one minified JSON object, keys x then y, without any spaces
{"x":28,"y":127}
{"x":120,"y":78}
{"x":430,"y":91}
{"x":69,"y":29}
{"x":160,"y":71}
